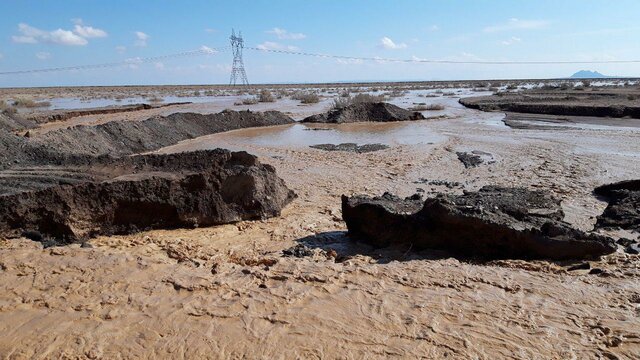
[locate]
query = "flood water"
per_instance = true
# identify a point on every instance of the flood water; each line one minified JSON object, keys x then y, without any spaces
{"x":303,"y":135}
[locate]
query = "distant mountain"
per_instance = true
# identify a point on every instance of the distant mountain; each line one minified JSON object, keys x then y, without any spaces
{"x":588,"y":74}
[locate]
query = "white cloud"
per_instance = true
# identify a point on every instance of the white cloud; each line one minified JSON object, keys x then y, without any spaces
{"x":434,"y":28}
{"x":159,"y":65}
{"x":121,"y":49}
{"x":207,"y":49}
{"x":387,"y":43}
{"x":511,"y":41}
{"x":141,"y":38}
{"x":76,"y":37}
{"x":210,"y":31}
{"x":283,"y":34}
{"x":43,"y":55}
{"x":517,"y":24}
{"x":89,"y":32}
{"x":270,"y":45}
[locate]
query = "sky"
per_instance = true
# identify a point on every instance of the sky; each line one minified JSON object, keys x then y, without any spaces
{"x":62,"y":33}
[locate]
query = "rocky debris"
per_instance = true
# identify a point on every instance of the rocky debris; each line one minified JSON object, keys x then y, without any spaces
{"x":299,"y":251}
{"x":202,"y":188}
{"x":351,"y":147}
{"x":446,"y":183}
{"x":623,"y":210}
{"x":492,"y":223}
{"x":361,"y":112}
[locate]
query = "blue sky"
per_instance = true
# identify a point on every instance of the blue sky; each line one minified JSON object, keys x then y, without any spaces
{"x":46,"y":34}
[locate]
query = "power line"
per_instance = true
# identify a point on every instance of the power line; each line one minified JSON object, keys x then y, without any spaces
{"x":211,"y":51}
{"x":430,"y":61}
{"x":133,"y":61}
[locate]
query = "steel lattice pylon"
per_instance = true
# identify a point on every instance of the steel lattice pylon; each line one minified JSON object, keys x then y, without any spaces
{"x":238,"y":75}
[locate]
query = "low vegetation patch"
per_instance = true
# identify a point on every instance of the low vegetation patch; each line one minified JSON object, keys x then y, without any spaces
{"x":6,"y":108}
{"x":28,"y":103}
{"x":425,"y":107}
{"x":306,"y":97}
{"x":246,"y":101}
{"x":266,"y":96}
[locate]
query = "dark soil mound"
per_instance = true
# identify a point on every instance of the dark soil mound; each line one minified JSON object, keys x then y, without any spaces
{"x":378,"y":112}
{"x":623,"y":210}
{"x":120,"y":138}
{"x":493,"y":223}
{"x":80,"y":144}
{"x":201,"y":188}
{"x":13,"y":122}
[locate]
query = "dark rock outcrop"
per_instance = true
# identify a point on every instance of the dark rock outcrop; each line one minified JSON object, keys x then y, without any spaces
{"x":492,"y":223}
{"x":623,"y":210}
{"x":200,"y":188}
{"x":361,"y":112}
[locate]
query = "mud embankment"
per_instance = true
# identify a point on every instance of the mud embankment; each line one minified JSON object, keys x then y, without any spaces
{"x":194,"y":189}
{"x":493,"y":223}
{"x":568,"y":103}
{"x":79,"y":144}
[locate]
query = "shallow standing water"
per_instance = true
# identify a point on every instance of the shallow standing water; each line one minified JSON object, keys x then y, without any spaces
{"x":303,"y":135}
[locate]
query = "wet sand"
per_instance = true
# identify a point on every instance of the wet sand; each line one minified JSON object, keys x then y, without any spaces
{"x":227,"y":292}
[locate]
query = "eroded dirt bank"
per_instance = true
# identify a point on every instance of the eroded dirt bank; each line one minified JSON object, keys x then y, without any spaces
{"x":202,"y":188}
{"x":230,"y":291}
{"x":79,"y":144}
{"x":592,"y":102}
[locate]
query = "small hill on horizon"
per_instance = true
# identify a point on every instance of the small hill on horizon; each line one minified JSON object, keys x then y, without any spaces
{"x":588,"y":74}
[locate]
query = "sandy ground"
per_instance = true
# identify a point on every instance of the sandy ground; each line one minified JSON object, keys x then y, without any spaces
{"x":227,"y":292}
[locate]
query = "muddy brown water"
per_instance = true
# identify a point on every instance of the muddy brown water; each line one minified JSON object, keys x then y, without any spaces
{"x":303,"y":135}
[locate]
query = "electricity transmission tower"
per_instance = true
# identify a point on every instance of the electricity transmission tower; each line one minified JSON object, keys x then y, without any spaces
{"x":238,"y":74}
